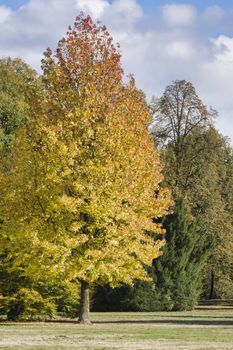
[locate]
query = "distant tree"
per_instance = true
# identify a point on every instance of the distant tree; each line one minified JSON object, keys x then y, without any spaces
{"x":16,"y":77}
{"x":218,"y":277}
{"x":177,"y":114}
{"x":191,"y":150}
{"x":84,"y":184}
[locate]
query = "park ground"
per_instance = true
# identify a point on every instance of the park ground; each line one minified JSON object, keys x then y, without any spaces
{"x":202,"y":329}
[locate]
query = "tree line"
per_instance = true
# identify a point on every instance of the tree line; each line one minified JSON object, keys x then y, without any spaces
{"x":106,"y":194}
{"x":197,"y":259}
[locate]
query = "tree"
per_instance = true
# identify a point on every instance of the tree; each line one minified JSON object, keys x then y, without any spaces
{"x":85,"y":175}
{"x":204,"y":173}
{"x":201,"y":222}
{"x":177,"y":114}
{"x":191,"y":150}
{"x":141,"y":296}
{"x":16,"y":77}
{"x":178,"y":277}
{"x":218,"y":279}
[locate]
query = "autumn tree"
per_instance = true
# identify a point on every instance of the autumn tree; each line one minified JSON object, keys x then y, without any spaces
{"x":85,"y":175}
{"x":16,"y":79}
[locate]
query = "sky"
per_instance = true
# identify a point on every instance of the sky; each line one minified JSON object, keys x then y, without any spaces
{"x":161,"y":41}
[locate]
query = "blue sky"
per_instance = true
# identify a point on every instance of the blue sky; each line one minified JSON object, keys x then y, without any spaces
{"x":14,"y":4}
{"x":161,"y":41}
{"x":200,"y":4}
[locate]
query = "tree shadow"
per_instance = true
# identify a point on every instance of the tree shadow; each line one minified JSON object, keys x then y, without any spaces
{"x":193,"y":322}
{"x":196,"y":316}
{"x":229,"y":308}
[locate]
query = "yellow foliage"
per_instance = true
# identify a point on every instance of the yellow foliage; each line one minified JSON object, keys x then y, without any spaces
{"x":84,"y":180}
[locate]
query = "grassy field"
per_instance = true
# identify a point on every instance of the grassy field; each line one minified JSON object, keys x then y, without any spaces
{"x":201,"y":329}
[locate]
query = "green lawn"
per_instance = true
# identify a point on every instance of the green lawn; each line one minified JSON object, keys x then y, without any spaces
{"x":197,"y":330}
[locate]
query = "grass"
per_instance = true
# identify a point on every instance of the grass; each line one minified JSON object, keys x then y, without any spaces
{"x":197,"y":330}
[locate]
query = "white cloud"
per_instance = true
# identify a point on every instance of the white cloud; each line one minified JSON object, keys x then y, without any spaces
{"x":95,"y":7}
{"x":215,"y":82}
{"x":5,"y":12}
{"x":122,"y":17}
{"x":180,"y":50}
{"x":156,"y":55}
{"x":179,"y":15}
{"x":224,"y":49}
{"x":214,"y":14}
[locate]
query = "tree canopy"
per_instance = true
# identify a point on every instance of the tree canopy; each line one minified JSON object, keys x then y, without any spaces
{"x":196,"y":161}
{"x":85,"y":175}
{"x":16,"y":77}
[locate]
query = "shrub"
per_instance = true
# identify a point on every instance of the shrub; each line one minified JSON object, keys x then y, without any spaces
{"x":29,"y":304}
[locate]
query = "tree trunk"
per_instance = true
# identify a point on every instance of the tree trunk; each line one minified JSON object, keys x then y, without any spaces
{"x":213,"y":294}
{"x":84,"y":316}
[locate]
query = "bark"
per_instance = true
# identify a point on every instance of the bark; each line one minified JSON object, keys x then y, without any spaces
{"x":213,"y":294}
{"x":84,"y":311}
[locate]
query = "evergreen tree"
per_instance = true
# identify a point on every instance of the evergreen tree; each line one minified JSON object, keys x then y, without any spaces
{"x":178,"y":271}
{"x":141,"y":296}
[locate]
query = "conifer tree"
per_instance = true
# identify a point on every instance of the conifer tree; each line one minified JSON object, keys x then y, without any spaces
{"x":178,"y":278}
